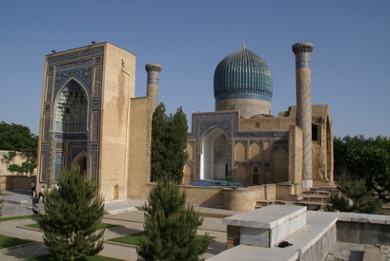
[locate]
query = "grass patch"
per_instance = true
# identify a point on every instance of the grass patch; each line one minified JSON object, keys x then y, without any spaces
{"x":100,"y":226}
{"x":134,"y":239}
{"x":6,"y":241}
{"x":16,"y":218}
{"x":88,"y":258}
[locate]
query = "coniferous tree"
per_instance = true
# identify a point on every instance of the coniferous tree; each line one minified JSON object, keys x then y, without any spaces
{"x":72,"y":214}
{"x":355,"y":198}
{"x":169,"y":141}
{"x":159,"y":140}
{"x":177,"y":154}
{"x":170,"y":226}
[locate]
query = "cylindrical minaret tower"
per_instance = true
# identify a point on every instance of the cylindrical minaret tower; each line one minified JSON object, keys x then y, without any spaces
{"x":302,"y":53}
{"x":153,"y":70}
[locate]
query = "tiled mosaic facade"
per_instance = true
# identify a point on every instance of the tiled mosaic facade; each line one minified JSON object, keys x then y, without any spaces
{"x":71,"y":115}
{"x":228,"y":124}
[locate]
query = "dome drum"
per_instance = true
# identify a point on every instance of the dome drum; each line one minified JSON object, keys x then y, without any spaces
{"x":241,"y":80}
{"x":246,"y":107}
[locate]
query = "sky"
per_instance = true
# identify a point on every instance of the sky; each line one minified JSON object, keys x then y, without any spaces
{"x":350,"y":62}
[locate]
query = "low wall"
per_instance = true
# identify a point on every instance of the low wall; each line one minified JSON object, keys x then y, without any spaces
{"x":16,"y":182}
{"x":203,"y":196}
{"x":363,"y":228}
{"x":239,"y":199}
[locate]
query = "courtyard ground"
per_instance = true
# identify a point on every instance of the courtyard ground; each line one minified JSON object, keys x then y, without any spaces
{"x":130,"y":220}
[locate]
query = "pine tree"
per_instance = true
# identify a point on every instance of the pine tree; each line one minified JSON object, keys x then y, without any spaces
{"x":159,"y":137}
{"x":355,"y":198}
{"x":72,"y":214}
{"x":170,"y":226}
{"x":169,"y":141}
{"x":177,"y":145}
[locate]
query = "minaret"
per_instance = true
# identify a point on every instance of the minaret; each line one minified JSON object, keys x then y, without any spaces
{"x":153,"y":70}
{"x":302,"y":53}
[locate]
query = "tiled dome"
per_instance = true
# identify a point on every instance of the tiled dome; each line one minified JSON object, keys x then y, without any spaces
{"x":243,"y":74}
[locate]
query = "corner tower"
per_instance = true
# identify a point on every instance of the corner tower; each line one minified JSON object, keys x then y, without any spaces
{"x":243,"y":82}
{"x":302,"y":53}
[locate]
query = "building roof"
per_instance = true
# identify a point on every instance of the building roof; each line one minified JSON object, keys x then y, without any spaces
{"x":243,"y":74}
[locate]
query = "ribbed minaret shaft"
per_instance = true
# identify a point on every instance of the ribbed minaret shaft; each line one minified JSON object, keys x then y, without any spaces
{"x":302,"y":53}
{"x":153,"y":70}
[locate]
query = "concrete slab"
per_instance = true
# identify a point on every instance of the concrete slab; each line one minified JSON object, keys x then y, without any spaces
{"x":265,"y":218}
{"x":318,"y":233}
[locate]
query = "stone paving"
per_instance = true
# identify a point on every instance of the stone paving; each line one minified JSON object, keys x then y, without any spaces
{"x":124,"y":213}
{"x":130,"y":222}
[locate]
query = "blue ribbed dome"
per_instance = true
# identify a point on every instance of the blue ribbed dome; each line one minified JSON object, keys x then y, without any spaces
{"x":242,"y":74}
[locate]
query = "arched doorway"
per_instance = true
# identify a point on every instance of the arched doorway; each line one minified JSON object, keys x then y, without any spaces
{"x":80,"y":161}
{"x":214,"y":157}
{"x":70,"y":127}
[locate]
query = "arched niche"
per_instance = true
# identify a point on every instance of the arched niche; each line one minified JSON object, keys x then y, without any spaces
{"x":240,"y":174}
{"x":80,"y":161}
{"x":70,"y":126}
{"x":190,"y":151}
{"x":188,"y":173}
{"x":71,"y":109}
{"x":255,"y":152}
{"x":280,"y":165}
{"x":214,"y":155}
{"x":240,"y":152}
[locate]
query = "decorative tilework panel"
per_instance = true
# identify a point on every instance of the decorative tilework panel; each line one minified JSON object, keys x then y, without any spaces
{"x":98,"y":82}
{"x":46,"y":128}
{"x":58,"y":166}
{"x":94,"y":146}
{"x":71,"y":136}
{"x":44,"y":166}
{"x":76,"y":55}
{"x":94,"y":168}
{"x":82,"y":75}
{"x":49,"y":90}
{"x":95,"y":125}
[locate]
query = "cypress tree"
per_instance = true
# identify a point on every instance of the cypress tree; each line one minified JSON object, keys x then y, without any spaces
{"x":159,"y":141}
{"x":169,"y":141}
{"x":177,"y":145}
{"x":170,"y":226}
{"x":72,"y":214}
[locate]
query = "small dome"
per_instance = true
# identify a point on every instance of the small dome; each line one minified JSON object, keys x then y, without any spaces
{"x":262,"y":116}
{"x":243,"y":74}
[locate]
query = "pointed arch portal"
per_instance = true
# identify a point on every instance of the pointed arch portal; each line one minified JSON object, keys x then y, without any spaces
{"x":70,"y":127}
{"x":214,"y":156}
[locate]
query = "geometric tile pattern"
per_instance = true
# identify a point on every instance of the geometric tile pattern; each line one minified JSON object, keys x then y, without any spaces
{"x":227,"y":123}
{"x":83,"y":67}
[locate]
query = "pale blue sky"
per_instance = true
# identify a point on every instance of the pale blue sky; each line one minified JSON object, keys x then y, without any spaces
{"x":350,"y":61}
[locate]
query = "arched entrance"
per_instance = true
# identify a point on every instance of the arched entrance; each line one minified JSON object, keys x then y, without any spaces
{"x":80,"y":161}
{"x":70,"y":127}
{"x":214,"y":157}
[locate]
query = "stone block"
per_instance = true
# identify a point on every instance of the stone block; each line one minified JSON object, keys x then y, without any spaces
{"x":267,"y":226}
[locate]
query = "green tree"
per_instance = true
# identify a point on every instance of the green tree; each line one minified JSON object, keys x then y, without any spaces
{"x":169,"y":141}
{"x":16,"y":137}
{"x":355,"y":198}
{"x":340,"y":157}
{"x":170,"y":226}
{"x":159,"y":140}
{"x":72,"y":214}
{"x":369,"y":160}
